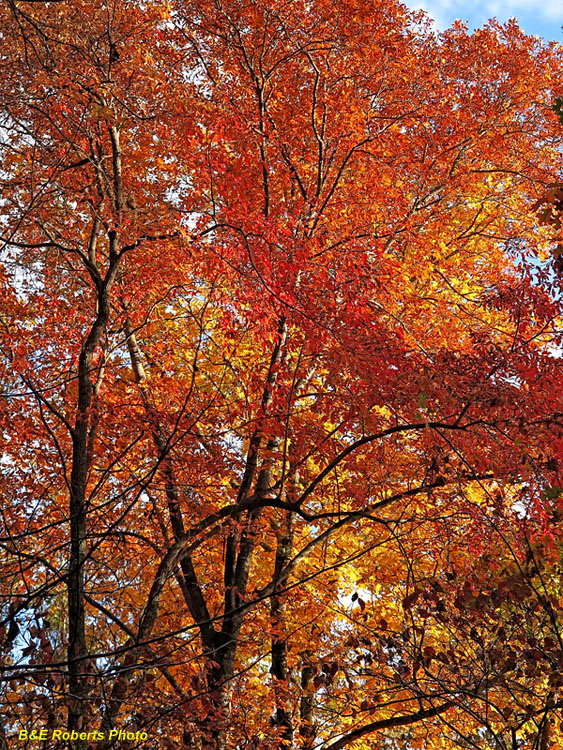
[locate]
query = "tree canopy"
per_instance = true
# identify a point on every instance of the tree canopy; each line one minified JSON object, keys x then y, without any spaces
{"x":281,"y":403}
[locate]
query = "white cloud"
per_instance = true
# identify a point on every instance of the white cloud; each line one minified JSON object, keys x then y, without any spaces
{"x":440,"y":11}
{"x":477,"y":13}
{"x":550,"y":10}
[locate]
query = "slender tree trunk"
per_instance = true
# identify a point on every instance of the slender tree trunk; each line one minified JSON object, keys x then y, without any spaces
{"x":280,"y":672}
{"x":218,"y":646}
{"x":306,"y":707}
{"x":82,"y":440}
{"x":544,"y":743}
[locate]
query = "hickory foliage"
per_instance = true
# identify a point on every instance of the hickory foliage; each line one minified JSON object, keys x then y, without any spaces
{"x":281,"y":406}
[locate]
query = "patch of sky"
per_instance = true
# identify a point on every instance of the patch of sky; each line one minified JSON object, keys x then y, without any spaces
{"x":543,"y":20}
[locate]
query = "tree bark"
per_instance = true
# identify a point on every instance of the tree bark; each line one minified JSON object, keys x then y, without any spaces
{"x":82,"y":438}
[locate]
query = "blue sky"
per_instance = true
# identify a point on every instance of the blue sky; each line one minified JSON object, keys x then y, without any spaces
{"x":541,"y":17}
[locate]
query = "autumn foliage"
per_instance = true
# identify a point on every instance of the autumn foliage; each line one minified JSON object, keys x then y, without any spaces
{"x":281,"y":405}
